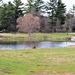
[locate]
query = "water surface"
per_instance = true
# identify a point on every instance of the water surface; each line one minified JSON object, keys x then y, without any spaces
{"x":43,"y":44}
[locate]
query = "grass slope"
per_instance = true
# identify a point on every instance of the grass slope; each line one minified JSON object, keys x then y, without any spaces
{"x":54,"y":61}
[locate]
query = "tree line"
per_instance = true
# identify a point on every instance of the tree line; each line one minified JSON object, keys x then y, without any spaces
{"x":16,"y":16}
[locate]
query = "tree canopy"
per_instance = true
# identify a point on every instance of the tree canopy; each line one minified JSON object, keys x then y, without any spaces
{"x":55,"y":18}
{"x":28,"y":23}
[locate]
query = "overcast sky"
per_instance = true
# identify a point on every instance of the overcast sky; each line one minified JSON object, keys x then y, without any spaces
{"x":68,"y":3}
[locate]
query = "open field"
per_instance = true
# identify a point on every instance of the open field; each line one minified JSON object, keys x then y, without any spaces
{"x":54,"y":61}
{"x":36,"y":37}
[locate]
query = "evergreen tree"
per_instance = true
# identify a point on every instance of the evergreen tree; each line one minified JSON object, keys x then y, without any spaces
{"x":57,"y":13}
{"x":51,"y":8}
{"x":72,"y":10}
{"x":34,"y":6}
{"x":0,"y":14}
{"x":38,"y":5}
{"x":60,"y":12}
{"x":29,"y":6}
{"x":9,"y":14}
{"x":18,"y":5}
{"x":6,"y":16}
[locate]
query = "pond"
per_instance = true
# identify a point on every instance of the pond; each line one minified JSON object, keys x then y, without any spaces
{"x":43,"y":44}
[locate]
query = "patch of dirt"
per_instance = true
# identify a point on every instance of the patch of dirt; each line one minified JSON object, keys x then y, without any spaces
{"x":5,"y":70}
{"x":2,"y":36}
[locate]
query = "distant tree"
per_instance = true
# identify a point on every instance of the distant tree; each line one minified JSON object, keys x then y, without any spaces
{"x":0,"y":14}
{"x":38,"y":5}
{"x":58,"y":25}
{"x":56,"y":10}
{"x":18,"y":8}
{"x":69,"y":16}
{"x":18,"y":5}
{"x":29,"y":6}
{"x":28,"y":23}
{"x":70,"y":19}
{"x":2,"y":17}
{"x":72,"y":10}
{"x":45,"y":25}
{"x":51,"y":8}
{"x":34,"y":6}
{"x":61,"y":12}
{"x":7,"y":16}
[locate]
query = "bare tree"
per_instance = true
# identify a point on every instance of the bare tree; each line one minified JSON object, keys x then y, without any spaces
{"x":70,"y":24}
{"x":58,"y":25}
{"x":28,"y":23}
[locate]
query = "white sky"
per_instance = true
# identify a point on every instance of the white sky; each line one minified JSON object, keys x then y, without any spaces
{"x":68,"y":3}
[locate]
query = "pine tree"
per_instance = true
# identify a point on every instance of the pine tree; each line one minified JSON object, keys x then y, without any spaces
{"x":29,"y":6}
{"x":38,"y":4}
{"x":9,"y":14}
{"x":51,"y":6}
{"x":60,"y":12}
{"x":18,"y":5}
{"x":34,"y":6}
{"x":57,"y":13}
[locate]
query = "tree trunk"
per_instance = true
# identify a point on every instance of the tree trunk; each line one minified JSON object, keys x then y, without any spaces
{"x":30,"y":40}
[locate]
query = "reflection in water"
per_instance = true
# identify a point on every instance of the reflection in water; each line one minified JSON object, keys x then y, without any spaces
{"x":43,"y":44}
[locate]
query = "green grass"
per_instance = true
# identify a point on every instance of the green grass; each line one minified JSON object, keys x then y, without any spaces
{"x":54,"y":61}
{"x":35,"y":37}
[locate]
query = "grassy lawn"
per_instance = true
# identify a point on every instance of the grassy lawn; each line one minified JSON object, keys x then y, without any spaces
{"x":54,"y":61}
{"x":35,"y":36}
